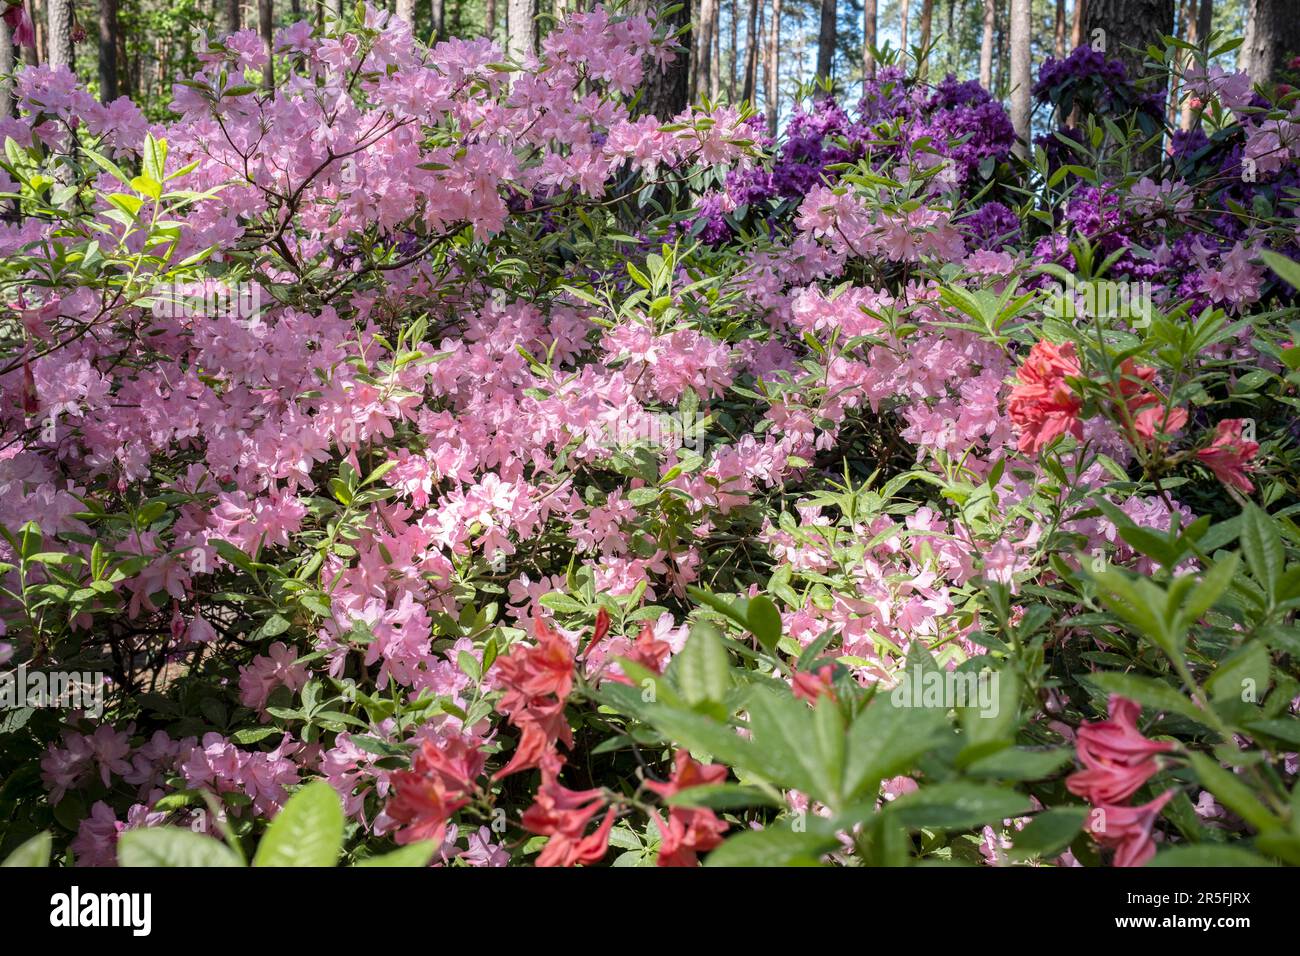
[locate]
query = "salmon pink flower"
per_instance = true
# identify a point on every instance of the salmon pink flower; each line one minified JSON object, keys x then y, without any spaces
{"x":437,"y":785}
{"x":689,"y":830}
{"x":809,"y":686}
{"x":1127,"y":830}
{"x":1116,"y":757}
{"x":1229,"y":455}
{"x":1154,"y":419}
{"x":1042,"y":405}
{"x":563,"y":815}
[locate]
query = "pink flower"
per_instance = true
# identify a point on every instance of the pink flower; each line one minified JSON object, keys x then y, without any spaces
{"x":1042,"y":405}
{"x":1116,"y":757}
{"x":1153,"y":419}
{"x":1229,"y":455}
{"x":20,"y":26}
{"x":563,"y":815}
{"x":1127,"y":830}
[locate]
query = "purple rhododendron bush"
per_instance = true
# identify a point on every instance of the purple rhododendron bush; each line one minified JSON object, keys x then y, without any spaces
{"x":426,"y":458}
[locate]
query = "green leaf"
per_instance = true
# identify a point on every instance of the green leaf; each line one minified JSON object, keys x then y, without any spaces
{"x":414,"y":854}
{"x":1016,"y":763}
{"x":172,"y":846}
{"x":957,"y":806}
{"x":764,"y":622}
{"x":34,"y":852}
{"x":1284,"y":267}
{"x":1206,"y":854}
{"x":1242,"y":675}
{"x":1148,"y":692}
{"x":1050,"y":832}
{"x":308,"y":831}
{"x":1230,"y":791}
{"x":789,"y":746}
{"x":886,"y":740}
{"x":1261,"y":543}
{"x":773,"y":846}
{"x":702,"y":669}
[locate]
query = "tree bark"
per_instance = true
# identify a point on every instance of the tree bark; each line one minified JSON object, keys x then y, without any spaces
{"x":751,"y":54}
{"x":6,"y":69}
{"x":927,"y":23}
{"x":868,"y":38}
{"x":521,"y":29}
{"x":826,"y":40}
{"x":437,"y":16}
{"x":773,"y":80}
{"x":266,"y":27}
{"x":666,"y":93}
{"x":715,"y":72}
{"x":1058,"y":35}
{"x":1205,"y":20}
{"x":107,"y":51}
{"x":1021,"y":29}
{"x":232,"y":16}
{"x":1272,"y":38}
{"x":903,"y":10}
{"x":60,"y":26}
{"x":702,"y":79}
{"x":405,"y":10}
{"x":1076,"y":28}
{"x":1127,"y":26}
{"x":490,"y":19}
{"x":986,"y":45}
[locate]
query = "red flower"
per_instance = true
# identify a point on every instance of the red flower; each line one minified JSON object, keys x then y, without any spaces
{"x":1127,"y":830}
{"x":1042,"y":405}
{"x":689,"y":830}
{"x":1117,"y":758}
{"x":1228,"y":456}
{"x":563,"y":815}
{"x":1153,"y":419}
{"x":809,"y":686}
{"x":648,"y":651}
{"x":436,"y":786}
{"x":538,"y":679}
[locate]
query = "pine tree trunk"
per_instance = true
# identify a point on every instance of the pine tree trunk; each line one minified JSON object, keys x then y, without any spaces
{"x":521,"y":29}
{"x":6,"y":68}
{"x":666,"y":92}
{"x":702,"y":80}
{"x":60,"y":27}
{"x":751,"y":53}
{"x":266,"y":27}
{"x":1021,"y":28}
{"x":1205,"y":20}
{"x":868,"y":37}
{"x":773,"y":68}
{"x":1076,"y":28}
{"x":490,"y":19}
{"x":903,"y":10}
{"x":927,"y":23}
{"x":715,"y":67}
{"x":826,"y":40}
{"x":107,"y":50}
{"x":437,"y":17}
{"x":232,"y":16}
{"x":405,"y":10}
{"x":986,"y":45}
{"x":1058,"y":34}
{"x":1272,"y":38}
{"x":1127,"y":27}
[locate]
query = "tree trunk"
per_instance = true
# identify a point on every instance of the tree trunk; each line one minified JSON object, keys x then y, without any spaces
{"x":438,"y":18}
{"x":715,"y":71}
{"x":773,"y":80}
{"x":1058,"y":35}
{"x":232,"y":16}
{"x":107,"y":50}
{"x":295,"y":7}
{"x":868,"y":38}
{"x":6,"y":70}
{"x":986,"y":45}
{"x":927,"y":23}
{"x":826,"y":40}
{"x":902,"y":24}
{"x":1272,"y":38}
{"x":1205,"y":20}
{"x":1021,"y":28}
{"x":751,"y":54}
{"x":521,"y":29}
{"x":266,"y":27}
{"x":60,"y":26}
{"x":1076,"y":28}
{"x":405,"y":10}
{"x":490,"y":19}
{"x":1127,"y":26}
{"x":666,"y":93}
{"x":702,"y":81}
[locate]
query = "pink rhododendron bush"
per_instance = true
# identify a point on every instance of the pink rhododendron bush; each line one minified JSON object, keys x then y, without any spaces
{"x":446,"y":457}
